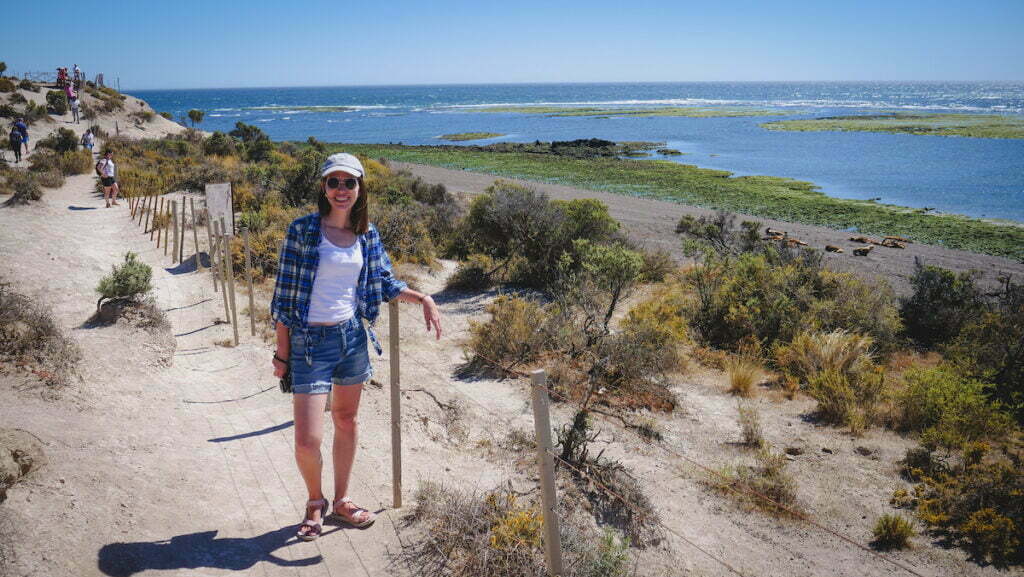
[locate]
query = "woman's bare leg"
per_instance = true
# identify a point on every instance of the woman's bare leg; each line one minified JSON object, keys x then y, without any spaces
{"x":116,"y":189}
{"x":309,"y":423}
{"x":344,"y":407}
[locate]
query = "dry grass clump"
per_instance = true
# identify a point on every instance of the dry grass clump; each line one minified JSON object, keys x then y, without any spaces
{"x":744,"y":374}
{"x":765,"y":485}
{"x":811,"y":353}
{"x":750,"y":425}
{"x":892,"y":532}
{"x":31,"y":338}
{"x":851,"y":401}
{"x":471,"y":533}
{"x":22,"y":185}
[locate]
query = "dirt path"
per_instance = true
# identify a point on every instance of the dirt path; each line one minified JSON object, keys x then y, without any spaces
{"x":652,"y":223}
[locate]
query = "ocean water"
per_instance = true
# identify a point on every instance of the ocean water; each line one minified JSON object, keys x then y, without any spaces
{"x":976,"y":177}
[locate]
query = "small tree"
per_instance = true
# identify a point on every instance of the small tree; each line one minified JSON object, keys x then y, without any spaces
{"x":196,"y":116}
{"x":3,"y":68}
{"x":127,"y":281}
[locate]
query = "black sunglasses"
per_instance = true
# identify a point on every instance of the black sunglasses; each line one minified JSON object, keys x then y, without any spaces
{"x":334,"y":183}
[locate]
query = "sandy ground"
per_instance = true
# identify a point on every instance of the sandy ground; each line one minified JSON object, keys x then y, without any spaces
{"x":170,"y":456}
{"x":652,"y":223}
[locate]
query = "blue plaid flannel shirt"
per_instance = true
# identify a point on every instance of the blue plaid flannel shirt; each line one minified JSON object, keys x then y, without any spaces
{"x":297,"y":269}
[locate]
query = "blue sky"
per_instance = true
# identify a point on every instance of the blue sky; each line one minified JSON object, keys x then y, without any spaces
{"x":192,"y":44}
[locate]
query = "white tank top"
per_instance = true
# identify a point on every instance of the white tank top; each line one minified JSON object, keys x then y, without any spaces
{"x":334,"y":288}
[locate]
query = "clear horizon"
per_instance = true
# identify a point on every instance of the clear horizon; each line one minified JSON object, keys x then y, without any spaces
{"x":316,"y":43}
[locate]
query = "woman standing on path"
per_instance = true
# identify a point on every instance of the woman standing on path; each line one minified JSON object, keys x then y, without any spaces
{"x":333,"y":274}
{"x":108,"y":178}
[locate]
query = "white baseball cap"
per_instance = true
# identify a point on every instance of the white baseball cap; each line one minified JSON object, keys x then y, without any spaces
{"x":342,"y":161}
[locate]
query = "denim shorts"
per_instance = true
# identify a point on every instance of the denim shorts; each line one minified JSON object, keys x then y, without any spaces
{"x":337,"y":355}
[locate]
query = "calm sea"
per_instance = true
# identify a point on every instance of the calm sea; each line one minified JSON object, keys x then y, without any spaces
{"x":977,"y":177}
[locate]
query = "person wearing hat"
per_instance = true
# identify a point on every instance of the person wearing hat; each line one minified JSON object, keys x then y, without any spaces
{"x":333,"y":275}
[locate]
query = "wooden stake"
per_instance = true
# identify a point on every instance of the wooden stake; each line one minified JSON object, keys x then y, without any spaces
{"x":142,"y":209}
{"x":210,"y":252}
{"x":546,"y":463}
{"x":159,"y":229}
{"x":217,"y":272}
{"x":174,"y":225}
{"x":148,"y":211}
{"x":167,"y":227}
{"x":229,"y":273}
{"x":248,"y":278}
{"x":181,"y":247}
{"x":195,"y":232}
{"x":396,"y":405}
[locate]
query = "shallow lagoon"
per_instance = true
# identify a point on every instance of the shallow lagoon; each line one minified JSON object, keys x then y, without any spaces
{"x":977,"y":177}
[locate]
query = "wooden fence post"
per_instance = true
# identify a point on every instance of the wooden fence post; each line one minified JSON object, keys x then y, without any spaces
{"x":149,"y":212}
{"x":248,"y":278}
{"x":217,"y":272}
{"x":210,"y":252}
{"x":159,"y":210}
{"x":229,"y":277}
{"x":195,"y":232}
{"x":174,"y":225}
{"x":181,"y":247}
{"x":546,"y":463}
{"x":396,"y":405}
{"x":167,"y":226}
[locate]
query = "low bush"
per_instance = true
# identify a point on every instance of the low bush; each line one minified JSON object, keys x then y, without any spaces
{"x":34,"y":113}
{"x":892,"y":532}
{"x":7,"y":85}
{"x":60,"y":140}
{"x":475,"y":273}
{"x":7,"y":111}
{"x":978,"y":504}
{"x":23,"y":186}
{"x":51,"y":177}
{"x":664,"y":310}
{"x":26,"y":84}
{"x":941,"y":304}
{"x":167,"y":115}
{"x":403,"y":232}
{"x":30,"y":335}
{"x":220,"y":144}
{"x":75,"y":162}
{"x":514,"y":335}
{"x":128,"y":281}
{"x":142,"y":116}
{"x":947,"y":409}
{"x":57,"y":102}
{"x":17,"y":98}
{"x":658,"y":265}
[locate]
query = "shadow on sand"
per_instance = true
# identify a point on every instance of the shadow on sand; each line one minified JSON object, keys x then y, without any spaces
{"x":197,"y":551}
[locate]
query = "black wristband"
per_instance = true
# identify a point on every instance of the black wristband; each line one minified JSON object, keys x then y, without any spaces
{"x":277,"y":358}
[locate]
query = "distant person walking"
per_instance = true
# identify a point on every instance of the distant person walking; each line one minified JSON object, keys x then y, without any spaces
{"x":23,"y":129}
{"x":15,"y":140}
{"x":334,"y":275}
{"x":88,"y":140}
{"x":107,"y":171}
{"x":74,"y":110}
{"x":78,"y":75}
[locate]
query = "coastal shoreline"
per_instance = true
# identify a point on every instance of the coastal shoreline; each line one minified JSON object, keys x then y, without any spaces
{"x":651,"y":222}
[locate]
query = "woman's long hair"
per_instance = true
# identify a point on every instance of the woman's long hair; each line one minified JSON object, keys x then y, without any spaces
{"x":359,"y":217}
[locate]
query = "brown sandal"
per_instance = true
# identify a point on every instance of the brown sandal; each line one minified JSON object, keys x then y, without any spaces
{"x":340,"y":514}
{"x":309,"y":529}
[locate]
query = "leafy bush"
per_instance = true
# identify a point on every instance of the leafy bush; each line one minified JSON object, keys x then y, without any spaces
{"x":942,"y":303}
{"x":29,"y":334}
{"x":23,"y":186}
{"x":34,"y":113}
{"x":26,"y":84}
{"x":632,"y":367}
{"x":840,"y":352}
{"x":978,"y":504}
{"x":127,"y":281}
{"x":513,"y":336}
{"x":403,"y":232}
{"x":220,"y":144}
{"x":7,"y":111}
{"x":142,"y":116}
{"x":7,"y":85}
{"x":475,"y":273}
{"x":60,"y":140}
{"x":658,"y":264}
{"x":663,"y":311}
{"x":948,"y":410}
{"x":51,"y":167}
{"x":57,"y":102}
{"x":892,"y":532}
{"x":75,"y":162}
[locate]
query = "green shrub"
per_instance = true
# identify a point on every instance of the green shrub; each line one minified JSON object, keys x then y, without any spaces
{"x":7,"y":85}
{"x":586,"y":218}
{"x":475,"y":273}
{"x":892,"y":532}
{"x":220,"y":144}
{"x":942,"y":303}
{"x":75,"y":162}
{"x":26,"y":84}
{"x":167,"y":115}
{"x":514,"y":335}
{"x":17,"y":98}
{"x":34,"y":113}
{"x":403,"y":232}
{"x":948,"y":410}
{"x":128,"y":281}
{"x":60,"y":140}
{"x":7,"y":111}
{"x":57,"y":102}
{"x":658,"y":264}
{"x":142,"y":116}
{"x":23,"y":186}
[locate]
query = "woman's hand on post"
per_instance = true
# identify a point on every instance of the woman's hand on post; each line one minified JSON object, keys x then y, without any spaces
{"x":431,"y":315}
